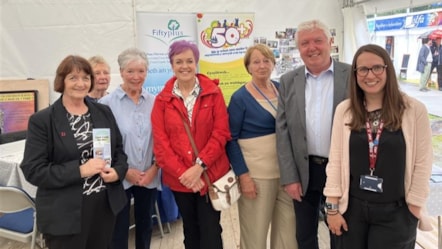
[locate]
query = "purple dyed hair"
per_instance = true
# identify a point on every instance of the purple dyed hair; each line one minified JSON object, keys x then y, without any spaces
{"x":180,"y":46}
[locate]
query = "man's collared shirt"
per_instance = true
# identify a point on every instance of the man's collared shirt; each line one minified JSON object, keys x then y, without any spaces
{"x":319,"y":111}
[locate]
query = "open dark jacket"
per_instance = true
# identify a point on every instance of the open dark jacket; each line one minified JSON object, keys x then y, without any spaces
{"x":51,"y":162}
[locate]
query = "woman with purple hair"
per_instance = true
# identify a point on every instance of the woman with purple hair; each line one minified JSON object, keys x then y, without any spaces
{"x":195,"y":99}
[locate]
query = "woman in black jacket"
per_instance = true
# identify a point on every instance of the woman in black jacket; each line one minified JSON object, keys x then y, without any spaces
{"x":78,"y":196}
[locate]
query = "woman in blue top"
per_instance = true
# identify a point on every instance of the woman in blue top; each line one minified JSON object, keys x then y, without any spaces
{"x":132,"y":105}
{"x":252,"y":153}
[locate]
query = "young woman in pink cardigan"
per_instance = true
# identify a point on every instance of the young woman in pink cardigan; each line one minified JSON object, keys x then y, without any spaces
{"x":380,"y":160}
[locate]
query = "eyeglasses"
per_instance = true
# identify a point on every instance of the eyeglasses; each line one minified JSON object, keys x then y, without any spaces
{"x":376,"y":70}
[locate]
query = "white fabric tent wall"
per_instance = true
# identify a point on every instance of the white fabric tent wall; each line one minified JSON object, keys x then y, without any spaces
{"x":378,"y":6}
{"x":37,"y":34}
{"x":355,"y":31}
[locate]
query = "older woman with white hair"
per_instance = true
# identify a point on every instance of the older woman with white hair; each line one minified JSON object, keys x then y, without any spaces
{"x":102,"y":77}
{"x":132,"y":106}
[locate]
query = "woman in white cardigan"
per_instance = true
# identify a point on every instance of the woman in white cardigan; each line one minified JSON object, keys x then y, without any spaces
{"x":378,"y":181}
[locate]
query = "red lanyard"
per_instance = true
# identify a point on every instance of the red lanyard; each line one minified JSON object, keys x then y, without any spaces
{"x":373,"y":145}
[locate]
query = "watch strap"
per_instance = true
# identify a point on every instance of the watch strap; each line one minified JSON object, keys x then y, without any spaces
{"x":201,"y":163}
{"x":331,"y":206}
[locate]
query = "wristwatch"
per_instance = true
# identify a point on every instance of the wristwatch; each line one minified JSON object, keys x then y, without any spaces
{"x":331,"y":206}
{"x":201,"y":163}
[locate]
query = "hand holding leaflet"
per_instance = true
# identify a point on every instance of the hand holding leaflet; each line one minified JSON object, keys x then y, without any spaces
{"x":102,"y":146}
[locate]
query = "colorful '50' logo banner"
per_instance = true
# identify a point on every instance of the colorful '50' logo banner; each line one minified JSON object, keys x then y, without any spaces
{"x":223,"y":40}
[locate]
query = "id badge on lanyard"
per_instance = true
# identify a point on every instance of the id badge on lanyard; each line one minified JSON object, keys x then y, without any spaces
{"x":372,"y":182}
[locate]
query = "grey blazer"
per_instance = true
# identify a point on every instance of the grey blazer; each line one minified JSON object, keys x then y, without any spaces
{"x":422,"y":58}
{"x":291,"y":124}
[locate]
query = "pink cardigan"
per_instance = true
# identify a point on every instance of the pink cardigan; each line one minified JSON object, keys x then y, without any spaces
{"x":419,"y":157}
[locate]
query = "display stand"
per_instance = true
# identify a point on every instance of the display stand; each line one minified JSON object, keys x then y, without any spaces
{"x":404,"y":67}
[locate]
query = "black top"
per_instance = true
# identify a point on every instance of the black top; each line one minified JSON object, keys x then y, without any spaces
{"x":81,"y":126}
{"x":89,"y":98}
{"x":390,"y":165}
{"x":51,"y":161}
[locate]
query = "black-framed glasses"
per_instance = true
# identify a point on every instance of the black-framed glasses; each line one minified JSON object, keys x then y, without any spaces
{"x":376,"y":70}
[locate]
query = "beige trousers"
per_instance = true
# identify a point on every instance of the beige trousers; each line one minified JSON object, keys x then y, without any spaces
{"x":273,"y":208}
{"x":425,"y":76}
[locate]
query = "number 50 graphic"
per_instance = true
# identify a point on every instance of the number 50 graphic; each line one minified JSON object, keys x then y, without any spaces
{"x":223,"y":35}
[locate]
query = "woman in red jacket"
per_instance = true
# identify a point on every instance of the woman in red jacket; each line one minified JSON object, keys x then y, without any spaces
{"x":197,"y":100}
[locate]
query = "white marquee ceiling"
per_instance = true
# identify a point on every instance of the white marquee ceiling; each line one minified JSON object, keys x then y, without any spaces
{"x":377,"y":6}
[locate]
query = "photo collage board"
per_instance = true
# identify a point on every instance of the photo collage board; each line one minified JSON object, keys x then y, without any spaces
{"x":286,"y":52}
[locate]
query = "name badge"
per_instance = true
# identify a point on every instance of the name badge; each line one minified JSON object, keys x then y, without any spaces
{"x":371,"y":183}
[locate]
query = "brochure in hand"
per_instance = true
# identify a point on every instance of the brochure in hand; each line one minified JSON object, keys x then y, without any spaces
{"x":102,"y":144}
